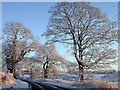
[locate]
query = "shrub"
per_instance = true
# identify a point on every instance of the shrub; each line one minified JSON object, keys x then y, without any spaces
{"x":100,"y":84}
{"x":6,"y":78}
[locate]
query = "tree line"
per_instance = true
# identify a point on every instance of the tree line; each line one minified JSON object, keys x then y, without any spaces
{"x":18,"y":43}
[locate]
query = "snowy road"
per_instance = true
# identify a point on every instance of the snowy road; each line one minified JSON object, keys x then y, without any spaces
{"x":45,"y":86}
{"x":59,"y":85}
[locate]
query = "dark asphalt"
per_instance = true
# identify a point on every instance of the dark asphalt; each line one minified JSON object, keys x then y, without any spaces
{"x":43,"y":86}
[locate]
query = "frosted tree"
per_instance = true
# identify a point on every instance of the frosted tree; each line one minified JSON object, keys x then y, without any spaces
{"x":18,"y":41}
{"x":50,"y":59}
{"x":83,"y":28}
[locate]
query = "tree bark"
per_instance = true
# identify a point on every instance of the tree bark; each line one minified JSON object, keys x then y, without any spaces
{"x":81,"y":74}
{"x":45,"y":74}
{"x":31,"y":72}
{"x":81,"y":66}
{"x":12,"y":70}
{"x":45,"y":68}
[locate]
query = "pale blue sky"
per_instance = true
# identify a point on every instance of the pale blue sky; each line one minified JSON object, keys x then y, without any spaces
{"x":35,"y":16}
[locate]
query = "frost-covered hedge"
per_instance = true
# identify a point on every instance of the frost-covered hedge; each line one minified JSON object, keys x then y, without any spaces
{"x":6,"y":78}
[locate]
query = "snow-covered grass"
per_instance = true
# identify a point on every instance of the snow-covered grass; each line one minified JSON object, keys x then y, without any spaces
{"x":59,"y":82}
{"x":16,"y":84}
{"x":85,"y":84}
{"x":111,"y":77}
{"x":100,"y":84}
{"x":91,"y":81}
{"x":106,"y":77}
{"x":8,"y":81}
{"x":95,"y":80}
{"x":71,"y":81}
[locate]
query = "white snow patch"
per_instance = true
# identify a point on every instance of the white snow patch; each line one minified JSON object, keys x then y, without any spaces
{"x":17,"y":84}
{"x":60,"y":84}
{"x":111,"y":77}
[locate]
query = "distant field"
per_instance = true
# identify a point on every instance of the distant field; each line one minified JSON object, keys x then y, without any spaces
{"x":107,"y":77}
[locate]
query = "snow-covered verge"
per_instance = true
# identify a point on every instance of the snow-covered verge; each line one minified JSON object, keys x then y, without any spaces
{"x":16,"y":84}
{"x":61,"y":83}
{"x":7,"y":80}
{"x":76,"y":85}
{"x":91,"y":81}
{"x":111,"y":77}
{"x":100,"y":84}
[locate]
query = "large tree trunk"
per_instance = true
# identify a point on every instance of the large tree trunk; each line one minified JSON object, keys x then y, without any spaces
{"x":31,"y":72}
{"x":81,"y":74}
{"x":12,"y":70}
{"x":46,"y":69}
{"x":81,"y":66}
{"x":45,"y":74}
